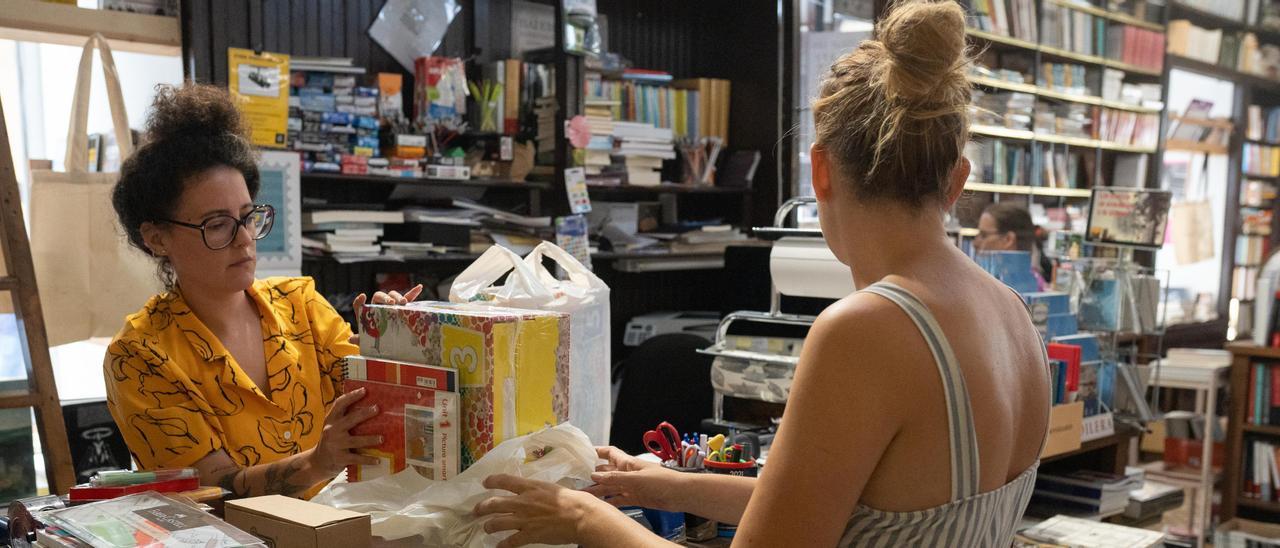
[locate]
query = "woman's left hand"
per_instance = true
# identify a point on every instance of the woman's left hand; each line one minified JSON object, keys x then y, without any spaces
{"x":393,"y":297}
{"x":539,"y":513}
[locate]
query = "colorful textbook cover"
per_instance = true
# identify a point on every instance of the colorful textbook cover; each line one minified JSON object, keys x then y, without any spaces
{"x":418,"y":428}
{"x":513,"y":365}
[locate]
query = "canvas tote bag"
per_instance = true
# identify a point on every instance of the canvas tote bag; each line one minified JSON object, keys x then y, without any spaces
{"x":88,"y":276}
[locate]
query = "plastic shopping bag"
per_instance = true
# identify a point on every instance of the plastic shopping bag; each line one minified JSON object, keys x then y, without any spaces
{"x":406,"y":504}
{"x":583,"y":296}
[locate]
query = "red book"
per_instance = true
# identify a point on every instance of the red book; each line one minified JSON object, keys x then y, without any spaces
{"x":1160,"y":45}
{"x":419,"y":429}
{"x":90,"y":492}
{"x":1069,"y":354}
{"x":1130,"y":44}
{"x":361,"y":368}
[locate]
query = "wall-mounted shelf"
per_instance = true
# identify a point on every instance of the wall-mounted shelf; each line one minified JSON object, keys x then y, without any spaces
{"x":1029,"y":190}
{"x":1220,"y":72}
{"x":339,"y":178}
{"x":1110,"y":15}
{"x":1062,"y":53}
{"x":1060,"y":95}
{"x":1174,"y":145}
{"x":1031,"y":136}
{"x":46,"y":22}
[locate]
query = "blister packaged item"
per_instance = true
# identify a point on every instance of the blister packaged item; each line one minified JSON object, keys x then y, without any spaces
{"x":149,"y":519}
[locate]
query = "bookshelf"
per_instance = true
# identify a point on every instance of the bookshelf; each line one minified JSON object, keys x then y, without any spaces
{"x":1244,"y":356}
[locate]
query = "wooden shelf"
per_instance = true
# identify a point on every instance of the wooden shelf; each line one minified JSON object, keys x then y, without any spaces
{"x":668,"y":188}
{"x":1262,"y":143}
{"x":1203,"y":18}
{"x":1091,"y":445}
{"x":1031,"y":136}
{"x":1059,"y":95}
{"x":45,"y":22}
{"x":1220,"y":72}
{"x":1259,"y":505}
{"x":1193,"y":146}
{"x":1029,"y":190}
{"x":1254,"y":351}
{"x":339,"y":178}
{"x":1111,"y":15}
{"x":1058,"y":52}
{"x":1261,"y":429}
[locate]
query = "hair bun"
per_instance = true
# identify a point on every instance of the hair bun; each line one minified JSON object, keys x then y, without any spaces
{"x":926,"y":46}
{"x":193,"y":112}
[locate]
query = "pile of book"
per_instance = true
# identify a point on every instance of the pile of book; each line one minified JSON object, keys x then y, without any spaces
{"x":1261,"y":160}
{"x":599,"y":115}
{"x":1016,"y":18}
{"x":346,"y":233}
{"x":1264,"y":124}
{"x":1013,"y":110}
{"x":1114,"y":88}
{"x":708,"y":239}
{"x":639,"y":151}
{"x":1065,"y":119}
{"x":332,"y":121}
{"x":1148,"y":503}
{"x":1084,"y":493}
{"x":696,"y":107}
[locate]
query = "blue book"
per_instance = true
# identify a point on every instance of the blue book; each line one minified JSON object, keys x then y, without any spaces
{"x":1088,"y":343}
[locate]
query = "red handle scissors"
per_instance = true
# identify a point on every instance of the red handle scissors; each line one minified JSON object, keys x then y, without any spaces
{"x":663,"y":441}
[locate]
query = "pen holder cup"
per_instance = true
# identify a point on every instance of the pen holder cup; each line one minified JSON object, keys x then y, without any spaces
{"x":696,"y":528}
{"x":746,"y":469}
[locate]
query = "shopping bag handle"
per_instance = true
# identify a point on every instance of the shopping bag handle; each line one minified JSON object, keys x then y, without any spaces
{"x":488,"y":268}
{"x":77,"y":159}
{"x":579,"y":274}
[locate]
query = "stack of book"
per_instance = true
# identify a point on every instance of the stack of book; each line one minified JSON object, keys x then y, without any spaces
{"x":1149,"y":502}
{"x":346,"y":233}
{"x":709,"y":239}
{"x":1012,"y":110}
{"x":1016,"y":18}
{"x":1065,"y":77}
{"x":1084,"y":493}
{"x":639,"y":151}
{"x":332,"y":121}
{"x":599,"y":114}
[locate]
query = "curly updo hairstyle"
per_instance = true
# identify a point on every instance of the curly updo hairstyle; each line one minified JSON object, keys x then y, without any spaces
{"x":190,"y":130}
{"x":892,"y":113}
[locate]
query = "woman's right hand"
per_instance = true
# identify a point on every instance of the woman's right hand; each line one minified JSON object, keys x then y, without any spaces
{"x":334,"y":452}
{"x":629,"y":481}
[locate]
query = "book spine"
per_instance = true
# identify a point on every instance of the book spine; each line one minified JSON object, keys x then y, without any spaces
{"x":1273,"y":403}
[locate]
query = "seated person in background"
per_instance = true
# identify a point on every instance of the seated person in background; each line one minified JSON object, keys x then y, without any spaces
{"x":920,"y":404}
{"x":238,"y":377}
{"x":1007,"y":227}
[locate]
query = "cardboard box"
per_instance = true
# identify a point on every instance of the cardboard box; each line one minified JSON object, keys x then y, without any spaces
{"x":1064,"y":429}
{"x":286,"y":522}
{"x":513,"y":365}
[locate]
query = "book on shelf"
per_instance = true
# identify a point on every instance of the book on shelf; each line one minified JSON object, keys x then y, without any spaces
{"x":708,"y":106}
{"x":1260,"y":160}
{"x":1264,"y":124}
{"x":320,"y":216}
{"x":1260,"y":475}
{"x":1250,"y":249}
{"x":1013,"y":18}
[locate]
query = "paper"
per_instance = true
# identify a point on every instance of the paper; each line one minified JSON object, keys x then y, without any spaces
{"x":533,"y":26}
{"x":259,"y":83}
{"x":575,"y":183}
{"x":409,"y":29}
{"x":280,"y":253}
{"x":805,"y":267}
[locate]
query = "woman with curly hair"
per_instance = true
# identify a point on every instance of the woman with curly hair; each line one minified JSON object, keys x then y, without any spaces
{"x":236,"y":376}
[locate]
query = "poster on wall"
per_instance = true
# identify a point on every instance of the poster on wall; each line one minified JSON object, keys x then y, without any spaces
{"x":260,"y":84}
{"x":280,"y":253}
{"x":1128,"y":216}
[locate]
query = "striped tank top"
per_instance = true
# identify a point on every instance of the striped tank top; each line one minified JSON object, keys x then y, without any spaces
{"x":971,"y":518}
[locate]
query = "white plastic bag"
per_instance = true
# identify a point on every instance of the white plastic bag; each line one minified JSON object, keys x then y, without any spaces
{"x":440,"y":512}
{"x":584,"y":296}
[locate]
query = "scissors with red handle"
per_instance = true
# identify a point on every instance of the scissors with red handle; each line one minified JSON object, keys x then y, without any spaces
{"x":663,"y":441}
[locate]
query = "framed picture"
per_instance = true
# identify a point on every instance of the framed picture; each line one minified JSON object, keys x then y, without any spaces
{"x":280,"y":253}
{"x":1128,"y":216}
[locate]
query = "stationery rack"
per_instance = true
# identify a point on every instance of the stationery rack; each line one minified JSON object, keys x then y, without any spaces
{"x":786,"y":362}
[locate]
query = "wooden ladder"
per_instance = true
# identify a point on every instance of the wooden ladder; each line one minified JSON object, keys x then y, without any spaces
{"x":18,"y":280}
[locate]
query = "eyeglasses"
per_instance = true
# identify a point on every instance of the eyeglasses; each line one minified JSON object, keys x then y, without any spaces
{"x":219,"y":231}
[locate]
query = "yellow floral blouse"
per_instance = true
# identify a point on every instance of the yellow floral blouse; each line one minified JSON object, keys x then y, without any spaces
{"x":178,"y":394}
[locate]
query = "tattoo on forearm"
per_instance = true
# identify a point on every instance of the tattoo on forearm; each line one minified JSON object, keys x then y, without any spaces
{"x":279,"y":478}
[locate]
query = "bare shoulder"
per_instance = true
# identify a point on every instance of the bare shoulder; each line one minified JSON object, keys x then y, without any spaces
{"x":857,"y":335}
